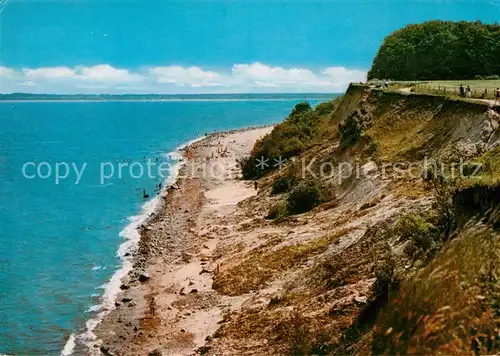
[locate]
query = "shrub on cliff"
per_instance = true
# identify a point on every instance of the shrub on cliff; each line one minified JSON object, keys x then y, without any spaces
{"x":289,"y":139}
{"x":304,"y":197}
{"x":278,"y":210}
{"x":352,"y":127}
{"x":421,"y":233}
{"x":283,"y":184}
{"x":439,"y":50}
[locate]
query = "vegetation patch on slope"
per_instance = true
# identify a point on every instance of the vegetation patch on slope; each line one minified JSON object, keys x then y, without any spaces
{"x":304,"y":127}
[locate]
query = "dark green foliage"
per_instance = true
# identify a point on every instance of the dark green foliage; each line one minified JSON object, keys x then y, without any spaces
{"x":304,"y":197}
{"x":325,"y":108}
{"x":283,"y":184}
{"x":439,"y":50}
{"x":289,"y":138}
{"x":301,"y":108}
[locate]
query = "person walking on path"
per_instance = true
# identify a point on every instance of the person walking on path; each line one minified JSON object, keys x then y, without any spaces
{"x":469,"y":93}
{"x":497,"y":96}
{"x":462,"y":91}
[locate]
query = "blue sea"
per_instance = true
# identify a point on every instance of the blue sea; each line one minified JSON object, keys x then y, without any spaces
{"x":63,"y":230}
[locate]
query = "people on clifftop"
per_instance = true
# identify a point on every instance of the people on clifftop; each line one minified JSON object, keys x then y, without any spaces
{"x":462,"y":91}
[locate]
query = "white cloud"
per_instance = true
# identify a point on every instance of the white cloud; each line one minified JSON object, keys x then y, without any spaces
{"x":49,"y":73}
{"x":262,"y":75}
{"x":104,"y":78}
{"x":344,"y":75}
{"x":193,"y":76}
{"x":5,"y":72}
{"x":108,"y":74}
{"x":98,"y":73}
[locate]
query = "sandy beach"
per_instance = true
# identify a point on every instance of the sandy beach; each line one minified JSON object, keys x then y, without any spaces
{"x":167,"y":305}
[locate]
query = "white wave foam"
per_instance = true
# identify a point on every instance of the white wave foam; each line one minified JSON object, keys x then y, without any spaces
{"x":94,"y":308}
{"x":69,"y":347}
{"x":176,"y":155}
{"x":132,"y":236}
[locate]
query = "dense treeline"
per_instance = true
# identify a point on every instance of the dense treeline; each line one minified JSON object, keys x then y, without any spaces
{"x":439,"y":50}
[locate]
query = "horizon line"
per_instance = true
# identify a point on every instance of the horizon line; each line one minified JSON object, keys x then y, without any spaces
{"x":170,"y":94}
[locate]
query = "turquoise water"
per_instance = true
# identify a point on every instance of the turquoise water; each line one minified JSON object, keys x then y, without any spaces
{"x":59,"y":242}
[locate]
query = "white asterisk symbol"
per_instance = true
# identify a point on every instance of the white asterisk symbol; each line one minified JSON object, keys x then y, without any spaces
{"x":262,"y":163}
{"x":279,"y":162}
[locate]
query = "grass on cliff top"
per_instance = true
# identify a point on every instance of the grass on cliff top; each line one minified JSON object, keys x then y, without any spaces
{"x":474,"y":84}
{"x":451,"y":87}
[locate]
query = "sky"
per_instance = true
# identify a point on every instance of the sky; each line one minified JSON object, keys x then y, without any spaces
{"x":147,"y":46}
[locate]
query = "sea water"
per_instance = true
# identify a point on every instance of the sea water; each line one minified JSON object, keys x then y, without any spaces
{"x":62,"y":240}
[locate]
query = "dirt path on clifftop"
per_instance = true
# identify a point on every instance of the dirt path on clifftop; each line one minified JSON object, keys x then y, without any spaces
{"x":174,"y":309}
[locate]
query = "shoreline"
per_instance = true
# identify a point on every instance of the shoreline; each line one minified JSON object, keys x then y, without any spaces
{"x":131,"y":251}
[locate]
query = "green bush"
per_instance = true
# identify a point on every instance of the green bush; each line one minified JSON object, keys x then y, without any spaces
{"x":304,"y":197}
{"x":290,"y":138}
{"x":301,"y":108}
{"x":278,"y":210}
{"x":422,"y":233}
{"x":283,"y":184}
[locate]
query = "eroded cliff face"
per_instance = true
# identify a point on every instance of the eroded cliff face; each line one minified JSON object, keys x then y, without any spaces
{"x":404,"y":259}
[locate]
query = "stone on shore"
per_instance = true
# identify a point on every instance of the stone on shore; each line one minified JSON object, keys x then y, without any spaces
{"x":143,"y":277}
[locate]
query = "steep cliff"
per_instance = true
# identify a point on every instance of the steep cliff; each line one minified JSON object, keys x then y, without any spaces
{"x":399,"y":249}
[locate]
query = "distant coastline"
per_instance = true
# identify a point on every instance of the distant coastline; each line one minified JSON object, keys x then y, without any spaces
{"x":163,"y":97}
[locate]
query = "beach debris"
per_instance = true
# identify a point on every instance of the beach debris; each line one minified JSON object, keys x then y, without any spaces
{"x":105,"y":350}
{"x":155,"y":352}
{"x":124,"y":286}
{"x":203,"y":350}
{"x":143,"y":277}
{"x":204,"y":270}
{"x":126,"y":299}
{"x":361,"y":299}
{"x":194,"y":290}
{"x":187,"y":257}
